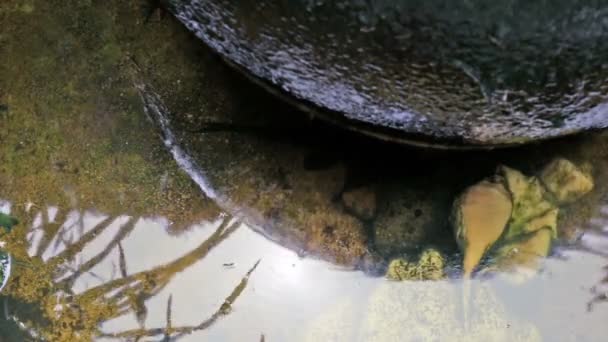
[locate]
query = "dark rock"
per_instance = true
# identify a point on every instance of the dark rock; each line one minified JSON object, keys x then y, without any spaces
{"x":439,"y":72}
{"x":408,"y":219}
{"x":361,"y":202}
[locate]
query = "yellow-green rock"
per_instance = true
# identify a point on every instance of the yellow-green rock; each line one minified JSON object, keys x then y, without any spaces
{"x":531,"y":209}
{"x":430,"y":266}
{"x":566,"y":181}
{"x":520,"y":260}
{"x":533,"y":222}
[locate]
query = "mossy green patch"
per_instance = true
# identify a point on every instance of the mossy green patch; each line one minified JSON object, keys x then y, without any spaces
{"x":430,"y":266}
{"x":7,"y":222}
{"x":75,"y":134}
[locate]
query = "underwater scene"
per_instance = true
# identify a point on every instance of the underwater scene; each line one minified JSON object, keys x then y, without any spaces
{"x":150,"y":192}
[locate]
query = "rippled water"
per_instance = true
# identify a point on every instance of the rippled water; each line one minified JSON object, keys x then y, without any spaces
{"x":206,"y":219}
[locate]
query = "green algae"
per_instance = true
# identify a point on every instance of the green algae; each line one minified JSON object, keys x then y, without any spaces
{"x":430,"y":266}
{"x":76,"y":122}
{"x":7,"y":222}
{"x":532,"y":222}
{"x":565,"y":181}
{"x":529,"y":203}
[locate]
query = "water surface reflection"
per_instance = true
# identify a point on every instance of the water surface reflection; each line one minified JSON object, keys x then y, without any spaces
{"x":137,"y":279}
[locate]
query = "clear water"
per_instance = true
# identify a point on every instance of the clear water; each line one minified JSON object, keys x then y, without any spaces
{"x":130,"y":231}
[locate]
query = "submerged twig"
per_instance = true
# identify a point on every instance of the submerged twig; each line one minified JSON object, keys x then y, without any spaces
{"x":122,"y":263}
{"x":72,"y":250}
{"x":168,"y":328}
{"x":87,"y":266}
{"x":50,"y":228}
{"x":598,"y":298}
{"x":161,"y":275}
{"x":223,"y":310}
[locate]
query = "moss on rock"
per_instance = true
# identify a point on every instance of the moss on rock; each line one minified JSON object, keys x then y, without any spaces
{"x":566,"y":182}
{"x":430,"y":266}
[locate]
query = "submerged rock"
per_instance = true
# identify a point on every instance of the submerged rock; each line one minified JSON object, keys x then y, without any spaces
{"x":336,"y":237}
{"x":430,"y":266}
{"x":419,"y":311}
{"x":430,"y":311}
{"x":531,"y":209}
{"x":566,"y":181}
{"x":361,"y":202}
{"x":407,"y":218}
{"x":521,"y":259}
{"x":480,"y":216}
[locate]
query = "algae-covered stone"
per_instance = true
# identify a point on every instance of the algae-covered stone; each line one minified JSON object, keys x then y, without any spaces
{"x":479,"y":217}
{"x":430,"y":266}
{"x":529,"y":203}
{"x":566,"y":181}
{"x":339,"y":238}
{"x":520,"y":260}
{"x":533,"y":220}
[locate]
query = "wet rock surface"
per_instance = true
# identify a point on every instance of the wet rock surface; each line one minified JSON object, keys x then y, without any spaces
{"x":446,"y":73}
{"x":566,"y":181}
{"x":280,"y":175}
{"x":361,"y":202}
{"x":407,"y":218}
{"x":514,"y":217}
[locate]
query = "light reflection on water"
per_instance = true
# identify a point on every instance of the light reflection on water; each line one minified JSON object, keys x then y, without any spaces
{"x":293,"y":298}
